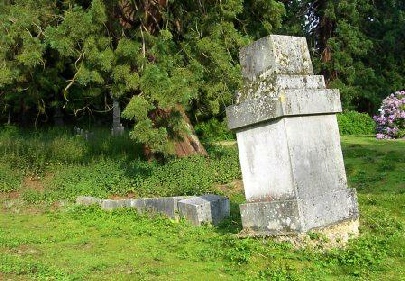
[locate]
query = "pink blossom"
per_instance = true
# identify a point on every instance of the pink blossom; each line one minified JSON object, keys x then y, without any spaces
{"x":391,"y":118}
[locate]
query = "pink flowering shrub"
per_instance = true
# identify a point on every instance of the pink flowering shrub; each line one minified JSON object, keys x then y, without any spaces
{"x":391,"y":121}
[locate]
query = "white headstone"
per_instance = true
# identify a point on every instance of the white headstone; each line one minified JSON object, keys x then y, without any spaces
{"x":289,"y":143}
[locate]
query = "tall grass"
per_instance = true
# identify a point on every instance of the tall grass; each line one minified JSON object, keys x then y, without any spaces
{"x":102,"y":165}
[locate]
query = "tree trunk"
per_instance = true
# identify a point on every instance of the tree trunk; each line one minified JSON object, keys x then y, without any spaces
{"x":185,"y":144}
{"x":190,"y":143}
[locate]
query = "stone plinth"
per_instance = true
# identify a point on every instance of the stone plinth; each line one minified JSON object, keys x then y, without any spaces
{"x":289,"y":143}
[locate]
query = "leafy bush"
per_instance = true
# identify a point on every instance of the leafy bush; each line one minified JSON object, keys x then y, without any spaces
{"x":214,"y":130}
{"x":391,"y":121}
{"x":8,"y":131}
{"x":67,"y":149}
{"x":355,"y":123}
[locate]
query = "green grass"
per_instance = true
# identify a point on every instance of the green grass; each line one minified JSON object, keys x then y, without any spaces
{"x":67,"y":166}
{"x":41,"y":241}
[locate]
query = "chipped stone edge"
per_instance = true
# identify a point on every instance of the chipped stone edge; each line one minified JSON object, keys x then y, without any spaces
{"x":288,"y":103}
{"x":324,"y":238}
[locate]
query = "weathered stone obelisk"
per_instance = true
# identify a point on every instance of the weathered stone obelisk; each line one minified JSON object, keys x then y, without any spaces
{"x":117,"y":128}
{"x":289,"y":143}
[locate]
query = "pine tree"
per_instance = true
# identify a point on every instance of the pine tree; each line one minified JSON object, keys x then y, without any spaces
{"x":26,"y":83}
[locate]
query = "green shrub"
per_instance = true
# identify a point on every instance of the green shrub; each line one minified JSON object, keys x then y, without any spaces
{"x":355,"y":123}
{"x":8,"y":131}
{"x":187,"y":176}
{"x":118,"y":147}
{"x":214,"y":130}
{"x":33,"y":150}
{"x":67,"y":149}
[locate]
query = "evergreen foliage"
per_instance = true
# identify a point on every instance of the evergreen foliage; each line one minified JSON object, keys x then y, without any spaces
{"x":357,"y":45}
{"x":161,"y":58}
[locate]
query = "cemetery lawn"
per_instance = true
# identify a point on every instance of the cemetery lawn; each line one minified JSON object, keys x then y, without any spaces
{"x":44,"y":237}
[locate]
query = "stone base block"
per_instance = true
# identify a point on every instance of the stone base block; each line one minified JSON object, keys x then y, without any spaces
{"x":329,"y":208}
{"x":321,"y":239}
{"x":284,"y":217}
{"x":204,"y":209}
{"x":271,"y":217}
{"x":117,"y":131}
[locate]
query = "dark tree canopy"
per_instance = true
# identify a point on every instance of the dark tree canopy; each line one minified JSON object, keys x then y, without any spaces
{"x":357,"y":44}
{"x":162,"y":58}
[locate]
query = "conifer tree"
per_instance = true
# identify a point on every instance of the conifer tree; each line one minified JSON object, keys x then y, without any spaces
{"x":26,"y":81}
{"x":161,"y":59}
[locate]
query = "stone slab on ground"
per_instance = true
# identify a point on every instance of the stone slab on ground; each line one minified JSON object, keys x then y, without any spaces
{"x":164,"y":205}
{"x":109,"y":204}
{"x":87,"y":200}
{"x":196,"y":209}
{"x":204,"y":209}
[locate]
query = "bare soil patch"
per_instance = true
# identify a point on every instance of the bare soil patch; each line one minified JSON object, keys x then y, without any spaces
{"x":232,"y":188}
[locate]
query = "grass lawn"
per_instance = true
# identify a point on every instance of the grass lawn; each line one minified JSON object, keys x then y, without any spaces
{"x":43,"y":237}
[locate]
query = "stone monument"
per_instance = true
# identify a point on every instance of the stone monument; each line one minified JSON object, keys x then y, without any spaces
{"x":117,"y":128}
{"x":289,"y":143}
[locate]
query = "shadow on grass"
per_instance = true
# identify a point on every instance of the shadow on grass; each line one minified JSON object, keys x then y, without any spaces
{"x":233,"y":224}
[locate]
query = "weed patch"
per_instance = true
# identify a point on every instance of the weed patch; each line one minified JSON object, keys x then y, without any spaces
{"x":10,"y":179}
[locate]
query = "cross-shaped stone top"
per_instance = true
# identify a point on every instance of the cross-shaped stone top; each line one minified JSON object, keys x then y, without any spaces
{"x":273,"y":55}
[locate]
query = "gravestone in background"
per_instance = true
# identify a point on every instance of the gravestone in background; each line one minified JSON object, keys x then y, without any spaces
{"x":289,"y":143}
{"x":117,"y":128}
{"x":58,"y":117}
